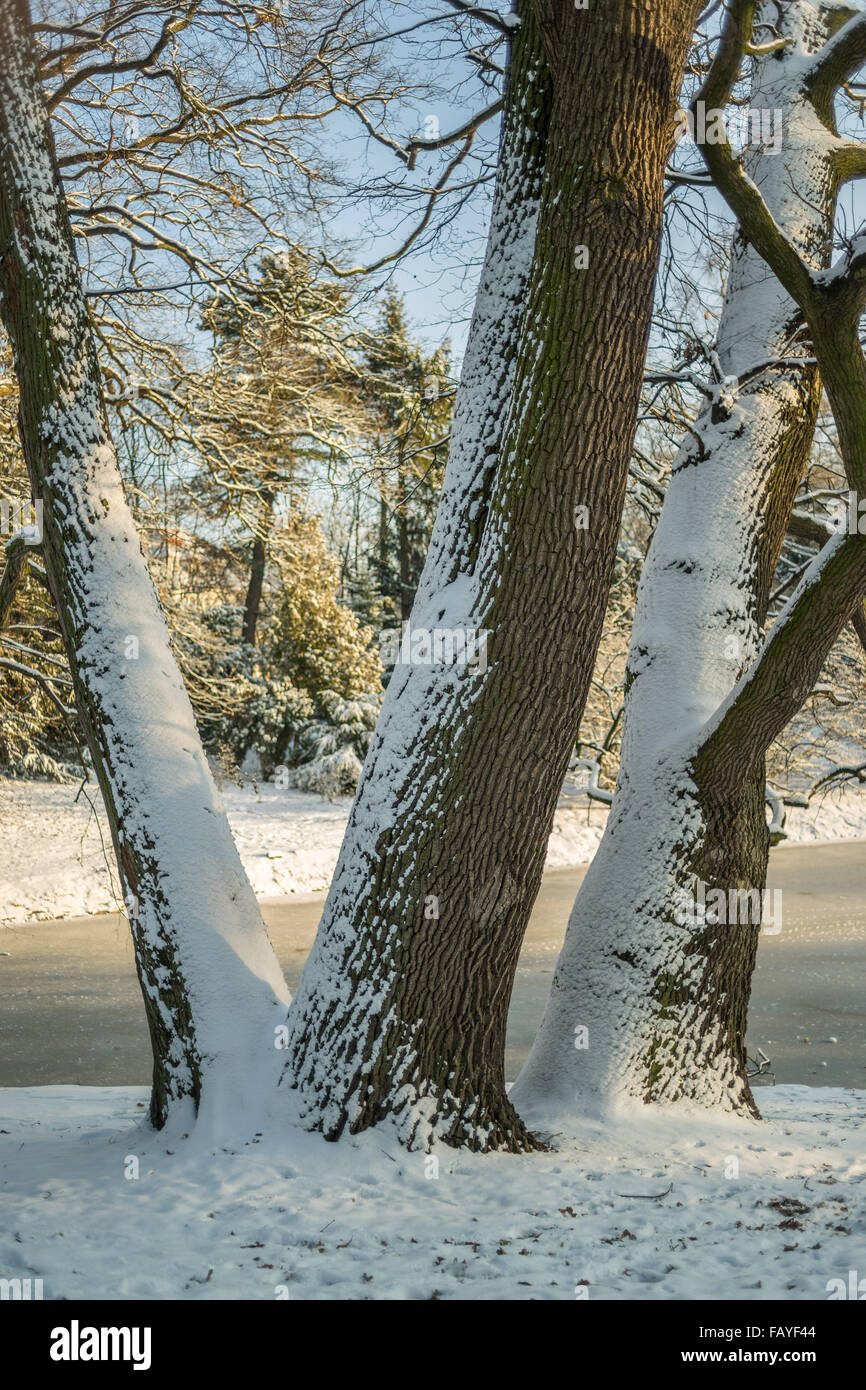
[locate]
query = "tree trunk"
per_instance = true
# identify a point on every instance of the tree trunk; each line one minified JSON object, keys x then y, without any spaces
{"x":212,"y":986}
{"x":383,"y":538}
{"x":253,"y":600}
{"x":404,"y":560}
{"x":663,"y":992}
{"x":402,"y":1008}
{"x":16,"y":553}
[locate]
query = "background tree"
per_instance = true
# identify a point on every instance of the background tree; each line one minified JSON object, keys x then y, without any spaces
{"x":37,"y":719}
{"x":410,"y":396}
{"x":281,"y":397}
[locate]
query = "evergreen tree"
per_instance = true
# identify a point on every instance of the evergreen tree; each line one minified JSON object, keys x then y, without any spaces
{"x":411,"y":396}
{"x":282,"y":399}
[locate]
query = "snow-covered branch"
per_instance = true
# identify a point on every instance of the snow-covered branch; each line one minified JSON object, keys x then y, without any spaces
{"x":505,"y":24}
{"x":41,"y":679}
{"x":838,"y":60}
{"x":739,"y":190}
{"x":591,"y":787}
{"x":788,"y":666}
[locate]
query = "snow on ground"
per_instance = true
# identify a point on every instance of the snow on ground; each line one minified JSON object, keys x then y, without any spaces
{"x":838,"y":816}
{"x":56,"y":859}
{"x":640,"y":1208}
{"x":55,"y":850}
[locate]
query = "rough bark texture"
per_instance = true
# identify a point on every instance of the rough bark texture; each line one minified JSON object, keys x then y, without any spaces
{"x":258,"y":564}
{"x":10,"y":580}
{"x":253,"y":600}
{"x":402,"y":1009}
{"x":212,"y":986}
{"x":665,"y":999}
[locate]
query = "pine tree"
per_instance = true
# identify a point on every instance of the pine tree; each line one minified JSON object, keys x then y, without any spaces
{"x":410,"y":394}
{"x":282,"y":398}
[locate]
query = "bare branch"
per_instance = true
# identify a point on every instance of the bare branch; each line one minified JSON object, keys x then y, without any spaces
{"x":787,"y":668}
{"x":467,"y":128}
{"x":738,"y":189}
{"x":505,"y":26}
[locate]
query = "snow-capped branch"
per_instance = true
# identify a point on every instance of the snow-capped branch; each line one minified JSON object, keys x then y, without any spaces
{"x":777,"y":806}
{"x":842,"y":288}
{"x":837,"y":775}
{"x":850,"y":156}
{"x":805,"y":527}
{"x":684,"y":375}
{"x":43,"y":680}
{"x":787,"y":668}
{"x":838,"y":60}
{"x":739,"y":190}
{"x":506,"y":24}
{"x":763,"y":50}
{"x":592,"y":789}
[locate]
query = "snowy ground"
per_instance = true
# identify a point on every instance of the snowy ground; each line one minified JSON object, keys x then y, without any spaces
{"x":55,"y":851}
{"x":639,"y":1209}
{"x":55,"y":856}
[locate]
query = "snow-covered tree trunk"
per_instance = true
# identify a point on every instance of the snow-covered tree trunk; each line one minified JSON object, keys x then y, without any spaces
{"x":402,"y":1008}
{"x":212,"y":986}
{"x":650,"y":994}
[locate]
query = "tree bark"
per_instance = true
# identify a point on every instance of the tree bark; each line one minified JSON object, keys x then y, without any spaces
{"x":662,"y":994}
{"x":402,"y":1009}
{"x":258,"y":563}
{"x":212,"y":986}
{"x":11,"y":578}
{"x":403,"y":547}
{"x":383,"y":538}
